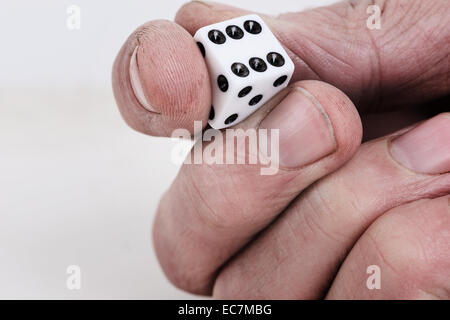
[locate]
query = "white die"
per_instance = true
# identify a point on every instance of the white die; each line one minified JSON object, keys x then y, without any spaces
{"x":240,"y":54}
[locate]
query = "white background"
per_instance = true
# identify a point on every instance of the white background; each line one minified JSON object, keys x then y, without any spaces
{"x":77,"y":186}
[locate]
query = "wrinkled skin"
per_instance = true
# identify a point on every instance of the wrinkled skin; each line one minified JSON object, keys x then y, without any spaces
{"x":310,"y":231}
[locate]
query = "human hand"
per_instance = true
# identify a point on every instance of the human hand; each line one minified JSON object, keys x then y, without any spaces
{"x":335,"y":206}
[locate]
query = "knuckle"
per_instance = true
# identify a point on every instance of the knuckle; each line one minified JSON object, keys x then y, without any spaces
{"x":222,"y":199}
{"x":322,"y":212}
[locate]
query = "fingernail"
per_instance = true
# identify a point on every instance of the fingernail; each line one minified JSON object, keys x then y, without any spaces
{"x":305,"y":131}
{"x":136,"y":82}
{"x":426,"y":148}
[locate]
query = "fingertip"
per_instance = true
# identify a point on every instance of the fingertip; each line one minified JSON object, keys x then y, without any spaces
{"x":165,"y":84}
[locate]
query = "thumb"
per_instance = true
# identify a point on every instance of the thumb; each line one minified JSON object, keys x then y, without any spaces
{"x":405,"y":62}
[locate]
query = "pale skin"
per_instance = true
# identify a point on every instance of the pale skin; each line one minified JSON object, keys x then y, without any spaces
{"x":364,"y":153}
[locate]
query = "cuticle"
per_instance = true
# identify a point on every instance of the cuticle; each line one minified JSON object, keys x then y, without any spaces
{"x":321,"y":109}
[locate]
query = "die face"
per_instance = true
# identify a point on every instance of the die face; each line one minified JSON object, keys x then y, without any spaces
{"x":247,"y":67}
